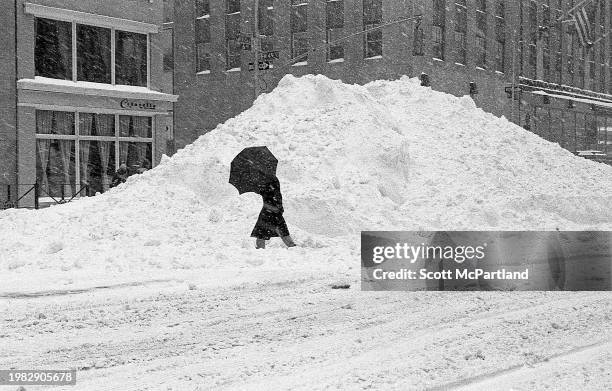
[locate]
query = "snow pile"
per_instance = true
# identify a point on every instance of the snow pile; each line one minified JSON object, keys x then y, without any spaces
{"x":387,"y":155}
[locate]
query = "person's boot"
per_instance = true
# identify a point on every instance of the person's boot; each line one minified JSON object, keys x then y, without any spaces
{"x":260,"y":243}
{"x":288,"y":241}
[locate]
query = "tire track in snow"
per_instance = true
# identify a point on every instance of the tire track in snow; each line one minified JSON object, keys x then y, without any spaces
{"x":515,"y":378}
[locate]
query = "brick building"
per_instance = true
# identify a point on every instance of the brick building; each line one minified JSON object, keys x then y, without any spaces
{"x":84,"y":90}
{"x":496,"y":45}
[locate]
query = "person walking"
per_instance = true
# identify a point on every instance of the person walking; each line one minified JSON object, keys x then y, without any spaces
{"x":271,"y":222}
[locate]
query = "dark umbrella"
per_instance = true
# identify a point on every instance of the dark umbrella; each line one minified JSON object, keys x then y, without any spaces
{"x":251,"y":168}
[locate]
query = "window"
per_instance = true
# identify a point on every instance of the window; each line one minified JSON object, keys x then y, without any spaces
{"x":419,"y":38}
{"x":533,"y":38}
{"x":500,"y":50}
{"x":437,"y":30}
{"x":500,"y":35}
{"x":481,"y":33}
{"x":266,"y":25}
{"x":266,"y":17}
{"x":233,"y":49}
{"x":460,"y":30}
{"x":581,"y":71}
{"x":130,"y":58}
{"x":168,"y":11}
{"x":92,"y":59}
{"x":335,"y":29}
{"x":373,"y":37}
{"x":202,"y":37}
{"x":93,"y":54}
{"x":558,"y":37}
{"x":521,"y":40}
{"x":299,"y":30}
{"x":546,"y":47}
{"x":202,"y":7}
{"x":232,"y":6}
{"x":53,"y":49}
{"x":101,"y":141}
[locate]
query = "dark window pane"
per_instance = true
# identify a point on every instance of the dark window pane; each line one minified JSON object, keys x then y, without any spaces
{"x":203,"y":57}
{"x":232,"y":26}
{"x":418,"y":44}
{"x":233,"y":51}
{"x":266,"y":17}
{"x":372,"y":11}
{"x":202,"y":7}
{"x":232,"y":6}
{"x":373,"y":44}
{"x":299,"y":18}
{"x":53,"y":49}
{"x":93,"y":54}
{"x":135,"y":126}
{"x":439,"y":12}
{"x":299,"y":46}
{"x":202,"y":30}
{"x":55,"y":168}
{"x":97,"y":165}
{"x":335,"y":14}
{"x":130,"y":58}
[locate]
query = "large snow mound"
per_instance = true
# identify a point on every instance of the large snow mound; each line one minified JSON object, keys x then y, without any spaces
{"x":384,"y":156}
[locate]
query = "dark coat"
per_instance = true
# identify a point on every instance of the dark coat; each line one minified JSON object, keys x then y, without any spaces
{"x":118,"y":178}
{"x":270,"y":222}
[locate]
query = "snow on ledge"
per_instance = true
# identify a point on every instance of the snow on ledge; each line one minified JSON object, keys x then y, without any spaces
{"x":300,"y":64}
{"x":40,"y":83}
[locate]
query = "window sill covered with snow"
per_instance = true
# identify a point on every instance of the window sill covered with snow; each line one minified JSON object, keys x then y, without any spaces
{"x":97,"y":89}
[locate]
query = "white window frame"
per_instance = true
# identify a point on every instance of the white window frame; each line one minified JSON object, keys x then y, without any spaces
{"x":84,"y":18}
{"x":77,"y":138}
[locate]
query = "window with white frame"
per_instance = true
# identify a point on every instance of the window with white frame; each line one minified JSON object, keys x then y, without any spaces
{"x":81,"y":52}
{"x":77,"y":150}
{"x":202,"y":37}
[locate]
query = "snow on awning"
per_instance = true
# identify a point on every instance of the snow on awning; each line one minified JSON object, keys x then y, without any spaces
{"x":600,"y":103}
{"x":96,"y":89}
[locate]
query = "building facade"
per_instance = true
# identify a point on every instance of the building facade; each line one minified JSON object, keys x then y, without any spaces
{"x":87,"y":93}
{"x":517,"y":58}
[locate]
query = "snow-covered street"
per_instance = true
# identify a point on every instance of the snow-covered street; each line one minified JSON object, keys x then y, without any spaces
{"x":156,"y":284}
{"x":301,"y":334}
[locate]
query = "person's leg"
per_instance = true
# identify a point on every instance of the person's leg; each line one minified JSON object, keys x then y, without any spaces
{"x":288,"y":241}
{"x":260,"y":243}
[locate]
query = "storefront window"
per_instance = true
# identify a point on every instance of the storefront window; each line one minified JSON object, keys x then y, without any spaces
{"x":53,"y":49}
{"x":59,"y":173}
{"x":55,"y":167}
{"x":97,"y":165}
{"x":134,"y":126}
{"x":130,"y":58}
{"x":137,"y":156}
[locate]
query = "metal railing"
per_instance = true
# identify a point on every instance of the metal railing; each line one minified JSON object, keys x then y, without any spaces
{"x":37,"y":192}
